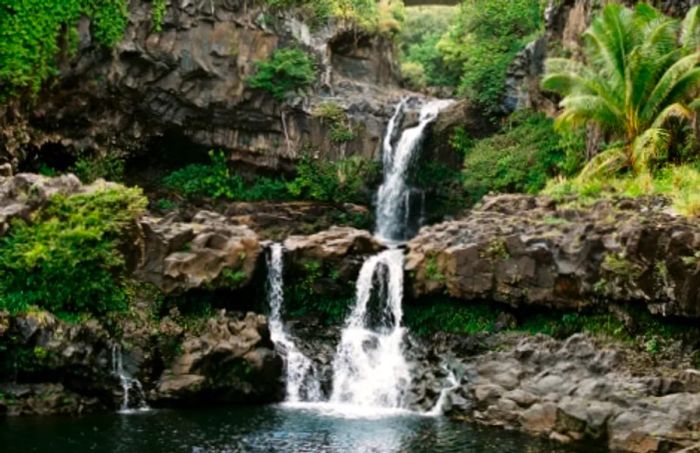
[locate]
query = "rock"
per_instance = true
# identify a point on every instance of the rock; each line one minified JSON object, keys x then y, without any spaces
{"x":530,"y":251}
{"x":540,"y":418}
{"x":231,"y":361}
{"x":206,"y":251}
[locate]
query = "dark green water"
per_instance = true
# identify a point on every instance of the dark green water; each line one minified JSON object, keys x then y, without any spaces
{"x":258,"y":429}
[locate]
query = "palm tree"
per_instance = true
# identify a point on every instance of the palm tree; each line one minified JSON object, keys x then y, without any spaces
{"x":640,"y":71}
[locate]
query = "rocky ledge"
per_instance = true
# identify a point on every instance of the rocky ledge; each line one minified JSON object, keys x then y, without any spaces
{"x":572,"y":390}
{"x":51,"y":366}
{"x":532,"y":251}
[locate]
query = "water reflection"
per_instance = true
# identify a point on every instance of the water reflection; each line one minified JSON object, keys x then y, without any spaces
{"x":261,"y":429}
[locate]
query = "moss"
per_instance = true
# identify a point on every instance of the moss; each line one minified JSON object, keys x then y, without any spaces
{"x":495,"y":250}
{"x":432,"y":270}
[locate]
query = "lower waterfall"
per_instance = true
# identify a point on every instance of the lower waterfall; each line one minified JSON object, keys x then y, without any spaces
{"x":369,"y":368}
{"x":133,"y":397}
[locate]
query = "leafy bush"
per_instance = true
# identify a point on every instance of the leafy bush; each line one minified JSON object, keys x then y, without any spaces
{"x":521,"y":158}
{"x":482,"y":43}
{"x":109,"y":167}
{"x":67,"y":259}
{"x":287,"y":71}
{"x":339,"y":182}
{"x":33,"y":32}
{"x":345,"y":181}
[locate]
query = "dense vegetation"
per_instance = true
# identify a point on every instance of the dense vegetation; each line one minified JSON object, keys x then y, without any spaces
{"x":638,"y":84}
{"x":67,"y":259}
{"x":344,"y":181}
{"x":34,"y":32}
{"x":521,"y":158}
{"x":474,"y":53}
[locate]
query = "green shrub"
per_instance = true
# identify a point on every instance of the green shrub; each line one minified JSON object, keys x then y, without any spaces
{"x":158,"y":14}
{"x":413,"y":75}
{"x":287,"y":71}
{"x":67,"y":259}
{"x":444,"y":315}
{"x":521,"y":158}
{"x":34,"y":32}
{"x":681,"y":183}
{"x":215,"y":180}
{"x":341,"y":129}
{"x":109,"y":167}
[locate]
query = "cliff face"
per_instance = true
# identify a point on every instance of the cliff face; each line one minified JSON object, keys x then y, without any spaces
{"x":188,"y":82}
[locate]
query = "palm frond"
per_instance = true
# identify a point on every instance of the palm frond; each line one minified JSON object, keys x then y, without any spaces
{"x":648,"y":147}
{"x":605,"y":163}
{"x":666,"y":83}
{"x":690,"y":30}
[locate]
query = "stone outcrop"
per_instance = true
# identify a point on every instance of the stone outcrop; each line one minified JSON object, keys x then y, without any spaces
{"x":577,"y":390}
{"x":531,"y":251}
{"x":330,"y":260}
{"x":230,"y":361}
{"x":185,"y":88}
{"x":208,"y":250}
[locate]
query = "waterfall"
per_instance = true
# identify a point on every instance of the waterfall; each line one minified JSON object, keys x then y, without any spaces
{"x":302,"y":383}
{"x":439,"y":407}
{"x":393,"y":195}
{"x":369,"y":368}
{"x":128,"y":383}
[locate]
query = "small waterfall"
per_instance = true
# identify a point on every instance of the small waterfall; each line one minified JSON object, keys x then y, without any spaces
{"x":369,"y":368}
{"x":439,"y":407}
{"x":130,"y":385}
{"x":302,"y":383}
{"x":393,"y":194}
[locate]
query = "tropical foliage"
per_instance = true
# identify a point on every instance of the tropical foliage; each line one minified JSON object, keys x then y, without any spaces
{"x":34,"y":32}
{"x":639,"y":80}
{"x":67,"y":258}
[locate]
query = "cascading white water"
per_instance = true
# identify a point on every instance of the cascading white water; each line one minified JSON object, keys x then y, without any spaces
{"x":393,"y":194}
{"x":439,"y":407}
{"x":302,"y":383}
{"x":128,"y":383}
{"x":369,"y":368}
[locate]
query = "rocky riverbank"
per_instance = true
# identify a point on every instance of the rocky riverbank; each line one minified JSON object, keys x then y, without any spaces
{"x":192,"y":335}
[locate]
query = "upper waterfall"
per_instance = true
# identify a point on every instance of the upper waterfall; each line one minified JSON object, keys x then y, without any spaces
{"x":393,"y":203}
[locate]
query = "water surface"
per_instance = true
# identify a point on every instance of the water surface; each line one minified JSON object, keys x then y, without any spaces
{"x":260,"y":429}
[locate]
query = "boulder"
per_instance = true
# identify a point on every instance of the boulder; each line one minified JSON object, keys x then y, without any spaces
{"x":209,"y":250}
{"x":231,"y":361}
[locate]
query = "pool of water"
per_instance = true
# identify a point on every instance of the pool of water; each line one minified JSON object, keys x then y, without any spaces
{"x":261,"y":429}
